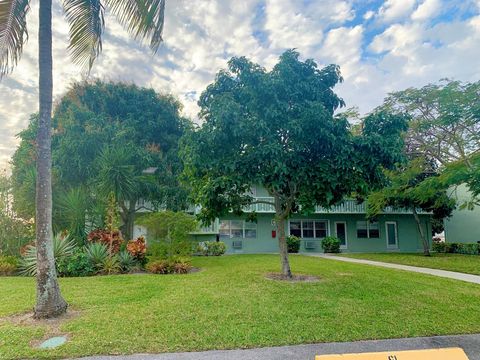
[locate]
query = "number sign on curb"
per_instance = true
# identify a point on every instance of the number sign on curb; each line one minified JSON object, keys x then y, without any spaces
{"x":434,"y":354}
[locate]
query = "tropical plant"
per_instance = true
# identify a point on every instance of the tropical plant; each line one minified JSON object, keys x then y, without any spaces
{"x":71,"y":209}
{"x":97,"y":253}
{"x":113,"y":240}
{"x":8,"y":265}
{"x":211,"y":248}
{"x":331,"y":244}
{"x":78,"y":264}
{"x":110,"y":265}
{"x":126,"y":260}
{"x":144,"y":19}
{"x":138,"y":249}
{"x":293,"y":244}
{"x":63,"y":246}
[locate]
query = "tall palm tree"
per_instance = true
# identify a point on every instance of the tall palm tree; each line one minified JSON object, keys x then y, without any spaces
{"x":142,"y":18}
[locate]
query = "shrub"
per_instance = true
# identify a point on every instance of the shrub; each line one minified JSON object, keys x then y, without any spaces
{"x":159,"y":267}
{"x":451,"y":248}
{"x":468,"y":249}
{"x":112,"y":239}
{"x":78,"y":264}
{"x":182,"y":268}
{"x":211,"y":248}
{"x":8,"y":265}
{"x":110,"y":265}
{"x":439,"y":247}
{"x":126,"y":260}
{"x":293,"y":244}
{"x":177,"y":265}
{"x":63,"y":246}
{"x":137,"y":249}
{"x":331,"y":244}
{"x":97,"y":253}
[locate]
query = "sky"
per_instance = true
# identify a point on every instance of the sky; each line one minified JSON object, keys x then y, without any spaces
{"x":381,"y":46}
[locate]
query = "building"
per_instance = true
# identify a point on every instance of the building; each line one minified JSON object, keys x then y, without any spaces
{"x":393,"y":230}
{"x":463,"y":225}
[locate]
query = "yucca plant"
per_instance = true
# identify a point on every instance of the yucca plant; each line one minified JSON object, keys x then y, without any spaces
{"x":142,"y":18}
{"x":110,"y":265}
{"x":97,"y":253}
{"x":63,"y":246}
{"x":127,"y":261}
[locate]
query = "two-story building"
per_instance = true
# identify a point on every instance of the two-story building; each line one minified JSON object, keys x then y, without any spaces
{"x":392,"y":230}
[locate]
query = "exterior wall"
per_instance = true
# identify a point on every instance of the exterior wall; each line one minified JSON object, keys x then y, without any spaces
{"x":463,"y":225}
{"x":408,"y":238}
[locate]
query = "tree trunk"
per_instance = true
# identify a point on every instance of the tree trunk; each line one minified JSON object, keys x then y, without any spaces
{"x":426,"y":246}
{"x":128,"y":219}
{"x":282,"y":240}
{"x":49,"y":299}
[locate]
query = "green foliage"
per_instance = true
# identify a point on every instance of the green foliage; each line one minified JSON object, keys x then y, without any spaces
{"x":211,"y":248}
{"x":126,"y":261}
{"x":77,"y":264}
{"x":293,"y":244}
{"x":8,"y":265}
{"x":468,"y":249}
{"x":72,"y":207}
{"x":169,"y":233}
{"x":63,"y":246}
{"x":97,"y":253}
{"x":456,"y":248}
{"x":110,"y":265}
{"x":439,"y":246}
{"x":331,"y":244}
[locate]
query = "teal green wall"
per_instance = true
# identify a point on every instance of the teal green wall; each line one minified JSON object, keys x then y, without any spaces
{"x":408,"y":238}
{"x":464,"y":225}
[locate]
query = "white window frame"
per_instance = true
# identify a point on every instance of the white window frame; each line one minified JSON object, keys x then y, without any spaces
{"x":391,"y":247}
{"x":314,"y":229}
{"x":368,"y":230}
{"x":346,"y":233}
{"x":243,"y":229}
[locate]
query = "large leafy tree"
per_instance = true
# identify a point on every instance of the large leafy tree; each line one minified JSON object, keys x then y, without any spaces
{"x":444,"y":128}
{"x":412,"y":186}
{"x":143,"y":19}
{"x":108,"y":138}
{"x":277,"y":129}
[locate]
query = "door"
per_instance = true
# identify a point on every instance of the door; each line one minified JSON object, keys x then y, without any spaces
{"x":392,"y":235}
{"x":341,"y":233}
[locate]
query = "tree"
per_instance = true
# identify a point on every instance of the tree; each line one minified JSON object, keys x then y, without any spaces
{"x":411,"y":187}
{"x":105,"y":136}
{"x":143,"y":19}
{"x":444,"y":126}
{"x":277,"y":129}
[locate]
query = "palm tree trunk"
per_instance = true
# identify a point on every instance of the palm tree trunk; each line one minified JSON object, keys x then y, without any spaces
{"x":49,"y":299}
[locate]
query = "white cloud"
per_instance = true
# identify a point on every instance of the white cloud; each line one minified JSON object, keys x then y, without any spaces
{"x":393,"y":10}
{"x":427,"y":9}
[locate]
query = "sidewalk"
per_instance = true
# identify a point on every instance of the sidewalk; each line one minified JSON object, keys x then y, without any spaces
{"x":469,"y":343}
{"x":435,"y":272}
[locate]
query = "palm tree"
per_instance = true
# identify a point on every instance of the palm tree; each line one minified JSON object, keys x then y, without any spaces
{"x":142,"y":18}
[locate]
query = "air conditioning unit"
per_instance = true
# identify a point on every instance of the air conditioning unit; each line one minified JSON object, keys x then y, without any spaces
{"x":310,"y":245}
{"x":237,"y":244}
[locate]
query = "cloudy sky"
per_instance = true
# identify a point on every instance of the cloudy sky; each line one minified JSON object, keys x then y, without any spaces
{"x":381,"y":46}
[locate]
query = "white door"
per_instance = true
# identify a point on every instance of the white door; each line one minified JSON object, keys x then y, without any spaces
{"x":392,"y":234}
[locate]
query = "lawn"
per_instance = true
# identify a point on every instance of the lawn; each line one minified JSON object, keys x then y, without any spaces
{"x":231,"y":305}
{"x":469,"y":264}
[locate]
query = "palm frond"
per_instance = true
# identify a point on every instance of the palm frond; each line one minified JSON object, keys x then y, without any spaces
{"x":86,"y":20}
{"x":13,"y":32}
{"x":143,"y":19}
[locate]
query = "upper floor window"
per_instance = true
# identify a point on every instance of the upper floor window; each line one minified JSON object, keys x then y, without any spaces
{"x":310,"y":229}
{"x":237,"y":229}
{"x":368,"y":229}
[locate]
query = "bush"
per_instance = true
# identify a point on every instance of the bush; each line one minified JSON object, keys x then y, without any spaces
{"x":110,"y":265}
{"x":293,"y":244}
{"x":468,"y":249}
{"x":78,"y":264}
{"x":97,"y":253}
{"x":439,"y":247}
{"x":451,"y":248}
{"x":211,"y":248}
{"x":63,"y":246}
{"x":331,"y":244}
{"x":137,"y":248}
{"x":169,"y":266}
{"x":8,"y":265}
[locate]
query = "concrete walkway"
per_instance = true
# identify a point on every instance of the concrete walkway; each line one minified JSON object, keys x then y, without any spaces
{"x":469,"y":343}
{"x":442,"y":273}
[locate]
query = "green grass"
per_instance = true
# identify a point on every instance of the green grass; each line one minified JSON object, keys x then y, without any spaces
{"x":231,"y":305}
{"x":469,"y":264}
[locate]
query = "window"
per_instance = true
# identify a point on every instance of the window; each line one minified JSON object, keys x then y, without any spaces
{"x":237,"y":229}
{"x":367,"y":229}
{"x":309,"y":229}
